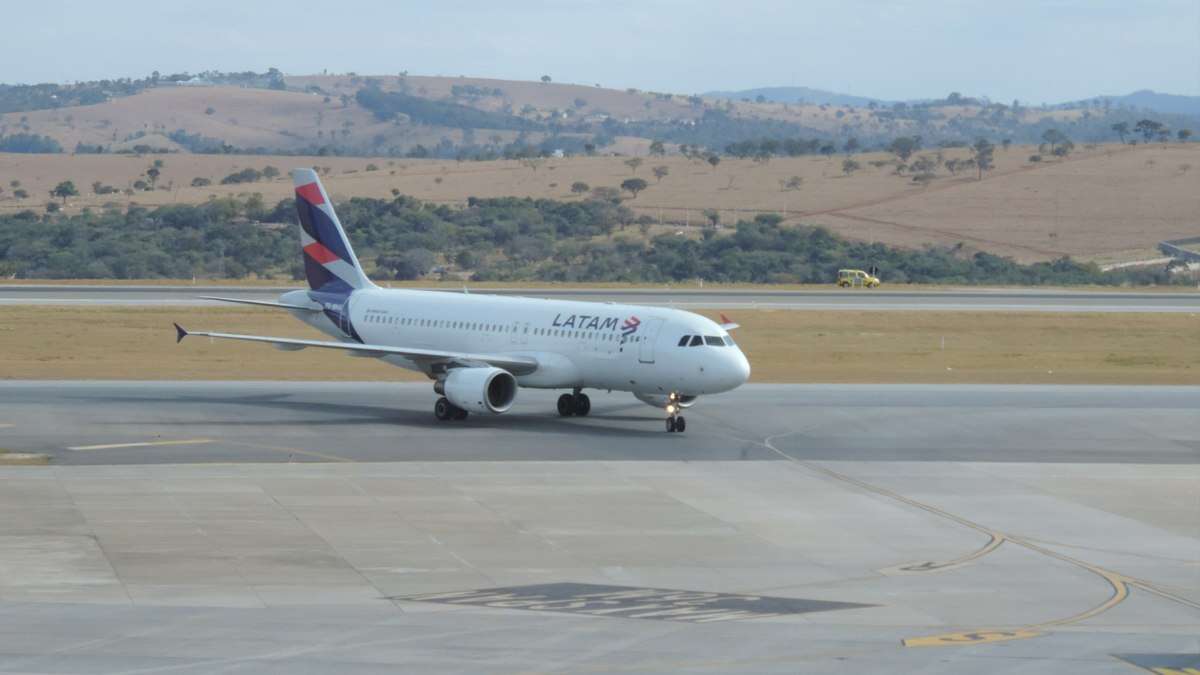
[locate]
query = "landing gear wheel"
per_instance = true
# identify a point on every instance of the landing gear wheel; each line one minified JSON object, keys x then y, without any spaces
{"x":583,"y":405}
{"x":443,"y":409}
{"x":566,"y":405}
{"x":670,"y":425}
{"x":680,"y":424}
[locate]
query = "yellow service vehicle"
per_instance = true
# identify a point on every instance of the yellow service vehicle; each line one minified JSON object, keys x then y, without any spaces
{"x":859,"y":278}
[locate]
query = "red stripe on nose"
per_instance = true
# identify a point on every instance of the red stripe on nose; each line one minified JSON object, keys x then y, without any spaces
{"x":318,"y":252}
{"x":310,"y":193}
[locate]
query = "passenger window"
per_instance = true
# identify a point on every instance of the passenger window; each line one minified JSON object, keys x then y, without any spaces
{"x":684,"y":340}
{"x":713,"y":341}
{"x":697,"y":341}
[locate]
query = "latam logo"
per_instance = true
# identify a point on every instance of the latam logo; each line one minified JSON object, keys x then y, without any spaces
{"x":589,"y":322}
{"x":630,"y":326}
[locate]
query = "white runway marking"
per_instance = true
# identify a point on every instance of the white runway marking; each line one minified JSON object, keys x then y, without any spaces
{"x":142,"y":444}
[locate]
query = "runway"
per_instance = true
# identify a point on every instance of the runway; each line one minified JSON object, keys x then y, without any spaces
{"x":314,"y":527}
{"x":690,"y":297}
{"x":359,"y":421}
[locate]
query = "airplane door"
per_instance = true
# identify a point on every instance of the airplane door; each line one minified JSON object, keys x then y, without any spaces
{"x":649,"y":335}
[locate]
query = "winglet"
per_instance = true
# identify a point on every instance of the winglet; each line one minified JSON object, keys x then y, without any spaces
{"x":727,"y":324}
{"x":180,"y":333}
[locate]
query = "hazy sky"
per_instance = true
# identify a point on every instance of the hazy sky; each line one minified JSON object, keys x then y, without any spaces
{"x":1034,"y":50}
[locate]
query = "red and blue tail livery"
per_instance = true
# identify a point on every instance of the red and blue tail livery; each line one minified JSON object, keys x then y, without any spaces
{"x":329,"y":261}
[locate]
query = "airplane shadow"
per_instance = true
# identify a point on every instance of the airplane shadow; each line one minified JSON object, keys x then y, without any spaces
{"x":333,"y":414}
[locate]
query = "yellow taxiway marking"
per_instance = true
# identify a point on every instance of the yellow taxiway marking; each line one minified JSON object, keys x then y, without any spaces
{"x":972,"y":638}
{"x":142,"y":444}
{"x":1118,"y":583}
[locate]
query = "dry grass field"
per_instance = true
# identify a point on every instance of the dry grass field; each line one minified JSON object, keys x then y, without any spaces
{"x":1109,"y":203}
{"x":783,"y":346}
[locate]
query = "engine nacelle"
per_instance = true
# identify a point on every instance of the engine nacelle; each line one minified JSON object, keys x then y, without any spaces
{"x":663,"y":400}
{"x":480,"y":390}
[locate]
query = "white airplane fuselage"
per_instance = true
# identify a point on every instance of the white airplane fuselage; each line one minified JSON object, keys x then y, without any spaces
{"x":577,"y":345}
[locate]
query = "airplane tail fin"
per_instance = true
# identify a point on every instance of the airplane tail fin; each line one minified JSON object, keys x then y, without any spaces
{"x":329,"y":261}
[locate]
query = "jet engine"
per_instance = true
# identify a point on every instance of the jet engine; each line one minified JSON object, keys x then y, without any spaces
{"x":662,"y":400}
{"x":480,"y":390}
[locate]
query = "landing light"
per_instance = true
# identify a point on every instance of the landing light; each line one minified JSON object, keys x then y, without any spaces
{"x":670,"y":410}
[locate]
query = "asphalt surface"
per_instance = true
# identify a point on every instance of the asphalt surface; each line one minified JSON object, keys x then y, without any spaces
{"x":324,"y":421}
{"x":985,"y":299}
{"x":336,"y":527}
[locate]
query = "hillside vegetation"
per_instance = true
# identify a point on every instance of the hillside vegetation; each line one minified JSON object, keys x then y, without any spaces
{"x":505,"y":239}
{"x":1109,"y":204}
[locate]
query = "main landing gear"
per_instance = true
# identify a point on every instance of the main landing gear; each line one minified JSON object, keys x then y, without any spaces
{"x":445,"y":411}
{"x":577,"y":404}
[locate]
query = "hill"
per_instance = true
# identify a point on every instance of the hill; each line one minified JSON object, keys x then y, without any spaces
{"x":798,"y":95}
{"x":1145,"y":99}
{"x":474,"y":118}
{"x":1108,"y":203}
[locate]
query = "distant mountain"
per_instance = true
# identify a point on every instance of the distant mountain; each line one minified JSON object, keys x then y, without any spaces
{"x":1152,"y":100}
{"x":797,"y":95}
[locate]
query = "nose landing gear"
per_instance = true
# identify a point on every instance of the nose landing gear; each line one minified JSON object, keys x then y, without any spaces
{"x":574,"y":404}
{"x":675,"y":421}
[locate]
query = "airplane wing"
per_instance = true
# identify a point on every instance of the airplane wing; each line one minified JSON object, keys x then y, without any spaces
{"x":260,"y":303}
{"x":517,"y":365}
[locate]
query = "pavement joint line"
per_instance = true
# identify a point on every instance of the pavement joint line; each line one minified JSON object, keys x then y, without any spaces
{"x":142,"y":444}
{"x":6,"y":425}
{"x":297,"y":451}
{"x":1119,"y":583}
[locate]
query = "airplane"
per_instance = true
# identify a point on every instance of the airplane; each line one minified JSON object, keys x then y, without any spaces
{"x":479,"y":349}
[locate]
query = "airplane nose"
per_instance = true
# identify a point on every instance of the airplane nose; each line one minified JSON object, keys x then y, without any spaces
{"x":736,"y":369}
{"x":743,"y":367}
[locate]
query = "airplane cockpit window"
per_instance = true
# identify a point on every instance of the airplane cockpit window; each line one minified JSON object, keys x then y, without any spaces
{"x":714,"y":341}
{"x":684,"y":340}
{"x":697,"y":340}
{"x":729,"y":341}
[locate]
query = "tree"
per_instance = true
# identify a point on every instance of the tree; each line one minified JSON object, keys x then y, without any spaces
{"x":981,"y":154}
{"x":660,"y":172}
{"x":270,"y":173}
{"x":63,"y":190}
{"x":713,"y":216}
{"x":1147,"y":128}
{"x":153,"y":173}
{"x":633,"y":163}
{"x":1006,"y":143}
{"x":1184,"y":134}
{"x":657,"y":148}
{"x":199,"y":181}
{"x":411,"y":264}
{"x":579,"y":187}
{"x":1054,"y":137}
{"x":1121,"y":128}
{"x":606,"y":194}
{"x":634,"y":186}
{"x":903,"y":147}
{"x":791,"y":184}
{"x":714,"y":159}
{"x":849,"y":166}
{"x":545,"y":79}
{"x":851,"y":145}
